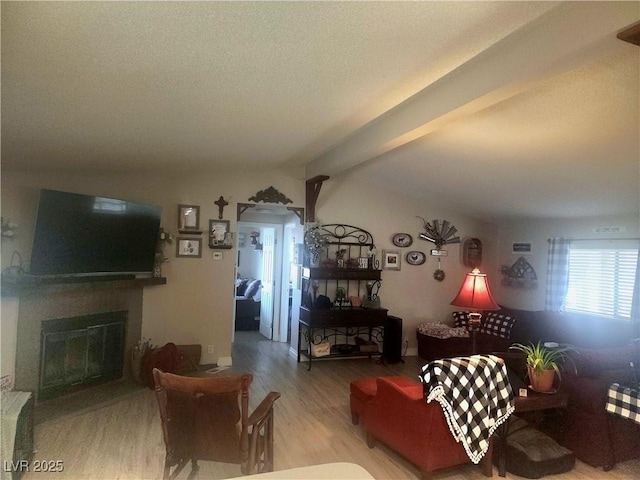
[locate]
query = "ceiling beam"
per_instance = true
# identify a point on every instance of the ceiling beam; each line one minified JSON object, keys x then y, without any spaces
{"x":558,"y":41}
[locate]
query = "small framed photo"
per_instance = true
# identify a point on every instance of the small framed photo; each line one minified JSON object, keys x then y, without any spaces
{"x":218,"y":233}
{"x":189,"y":247}
{"x":363,"y":262}
{"x":391,"y":260}
{"x":189,"y":219}
{"x":521,"y":248}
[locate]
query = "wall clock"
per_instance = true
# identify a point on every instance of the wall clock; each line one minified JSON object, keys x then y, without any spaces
{"x":416,"y":258}
{"x":402,"y":239}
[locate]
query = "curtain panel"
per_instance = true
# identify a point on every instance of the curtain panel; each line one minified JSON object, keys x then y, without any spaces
{"x":557,"y":273}
{"x":635,"y":305}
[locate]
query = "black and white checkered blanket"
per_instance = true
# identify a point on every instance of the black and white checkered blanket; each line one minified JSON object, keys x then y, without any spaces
{"x":475,"y":395}
{"x":624,"y":401}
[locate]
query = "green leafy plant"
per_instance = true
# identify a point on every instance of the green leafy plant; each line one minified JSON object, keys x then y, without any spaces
{"x":541,"y":358}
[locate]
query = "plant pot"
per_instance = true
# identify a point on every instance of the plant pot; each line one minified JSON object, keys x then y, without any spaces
{"x":541,"y":381}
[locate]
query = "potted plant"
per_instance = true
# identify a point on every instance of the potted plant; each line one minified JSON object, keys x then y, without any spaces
{"x":543,"y":363}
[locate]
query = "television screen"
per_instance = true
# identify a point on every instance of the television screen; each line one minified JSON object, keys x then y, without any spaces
{"x":81,"y":234}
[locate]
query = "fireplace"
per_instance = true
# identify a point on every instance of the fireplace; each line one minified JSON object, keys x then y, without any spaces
{"x":81,"y":351}
{"x":70,"y":318}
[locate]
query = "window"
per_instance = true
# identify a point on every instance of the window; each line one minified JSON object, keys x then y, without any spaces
{"x":601,"y":280}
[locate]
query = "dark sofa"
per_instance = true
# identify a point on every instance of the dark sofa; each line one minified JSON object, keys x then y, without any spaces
{"x":595,"y":436}
{"x":603,"y":352}
{"x":247,"y":304}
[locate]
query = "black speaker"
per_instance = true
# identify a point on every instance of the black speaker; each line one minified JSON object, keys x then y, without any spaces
{"x":392,"y":343}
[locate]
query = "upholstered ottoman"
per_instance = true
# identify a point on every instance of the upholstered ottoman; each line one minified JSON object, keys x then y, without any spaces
{"x":361,"y":392}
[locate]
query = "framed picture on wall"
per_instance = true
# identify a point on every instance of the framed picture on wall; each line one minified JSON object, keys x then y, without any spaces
{"x":521,"y":248}
{"x":189,"y":219}
{"x":189,"y":247}
{"x":219,"y":235}
{"x":391,"y":260}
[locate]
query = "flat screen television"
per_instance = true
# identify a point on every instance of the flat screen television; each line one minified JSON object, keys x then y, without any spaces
{"x":81,"y":234}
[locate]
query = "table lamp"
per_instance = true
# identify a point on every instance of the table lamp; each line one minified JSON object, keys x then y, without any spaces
{"x":475,"y":295}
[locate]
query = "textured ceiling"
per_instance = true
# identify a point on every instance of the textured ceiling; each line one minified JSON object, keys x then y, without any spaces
{"x":143,"y":86}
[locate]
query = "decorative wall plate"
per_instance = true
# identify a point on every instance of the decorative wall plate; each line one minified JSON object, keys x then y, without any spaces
{"x":402,"y":239}
{"x":416,"y":258}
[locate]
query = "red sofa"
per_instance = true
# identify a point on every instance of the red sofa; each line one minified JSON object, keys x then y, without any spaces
{"x":398,"y":416}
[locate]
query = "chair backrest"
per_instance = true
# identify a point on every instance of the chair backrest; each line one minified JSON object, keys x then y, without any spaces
{"x":204,"y":418}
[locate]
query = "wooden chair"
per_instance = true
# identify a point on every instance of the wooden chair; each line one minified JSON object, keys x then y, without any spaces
{"x":207,"y":418}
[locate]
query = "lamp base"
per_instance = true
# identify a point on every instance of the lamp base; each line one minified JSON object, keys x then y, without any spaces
{"x":475,"y":319}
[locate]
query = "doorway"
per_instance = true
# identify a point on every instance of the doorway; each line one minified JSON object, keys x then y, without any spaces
{"x":266,"y":241}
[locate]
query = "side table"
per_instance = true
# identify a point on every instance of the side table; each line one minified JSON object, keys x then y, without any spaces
{"x":624,"y":402}
{"x":533,"y":402}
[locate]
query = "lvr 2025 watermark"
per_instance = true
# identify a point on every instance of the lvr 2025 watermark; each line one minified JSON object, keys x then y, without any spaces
{"x":38,"y":466}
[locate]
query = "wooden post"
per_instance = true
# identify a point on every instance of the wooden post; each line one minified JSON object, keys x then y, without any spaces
{"x":313,"y":191}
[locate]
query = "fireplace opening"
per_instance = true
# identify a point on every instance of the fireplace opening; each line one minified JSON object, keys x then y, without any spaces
{"x":80,"y":352}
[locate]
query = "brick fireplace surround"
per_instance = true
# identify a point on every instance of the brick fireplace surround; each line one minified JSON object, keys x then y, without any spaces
{"x":47,"y":302}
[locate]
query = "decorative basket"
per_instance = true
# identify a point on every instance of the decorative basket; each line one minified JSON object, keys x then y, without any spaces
{"x":321,"y":349}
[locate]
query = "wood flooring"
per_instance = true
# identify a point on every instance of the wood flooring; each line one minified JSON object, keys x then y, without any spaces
{"x":123,"y":440}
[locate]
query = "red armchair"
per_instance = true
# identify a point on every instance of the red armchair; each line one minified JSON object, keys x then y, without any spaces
{"x":400,"y":417}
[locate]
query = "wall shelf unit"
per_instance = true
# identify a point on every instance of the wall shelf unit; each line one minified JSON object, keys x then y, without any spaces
{"x":350,"y":330}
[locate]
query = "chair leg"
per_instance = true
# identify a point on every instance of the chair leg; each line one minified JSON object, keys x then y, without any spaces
{"x":268,"y":455}
{"x":486,"y":463}
{"x":355,"y":418}
{"x":194,"y":469}
{"x":166,"y":473}
{"x":371,"y":440}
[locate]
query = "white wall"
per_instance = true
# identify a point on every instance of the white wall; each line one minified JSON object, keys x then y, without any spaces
{"x":537,"y":232}
{"x":250,"y":258}
{"x":411,"y":293}
{"x":196,"y":305}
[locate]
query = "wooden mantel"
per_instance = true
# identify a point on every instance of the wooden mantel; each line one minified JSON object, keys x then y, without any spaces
{"x":31,"y":285}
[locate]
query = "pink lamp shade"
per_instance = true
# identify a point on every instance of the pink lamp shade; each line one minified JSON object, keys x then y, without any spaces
{"x":474,"y":293}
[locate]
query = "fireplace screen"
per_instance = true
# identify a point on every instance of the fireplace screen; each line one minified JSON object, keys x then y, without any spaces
{"x":81,"y":351}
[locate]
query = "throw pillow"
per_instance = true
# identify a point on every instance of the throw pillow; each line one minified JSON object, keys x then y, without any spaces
{"x":241,"y":287}
{"x":440,"y":330}
{"x":497,"y":324}
{"x":460,"y":319}
{"x":252,"y":288}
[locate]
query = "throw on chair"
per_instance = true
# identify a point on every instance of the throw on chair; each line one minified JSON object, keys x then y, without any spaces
{"x":207,"y":418}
